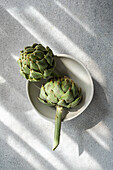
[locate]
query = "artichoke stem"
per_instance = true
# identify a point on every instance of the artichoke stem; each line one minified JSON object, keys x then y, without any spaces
{"x":58,"y":120}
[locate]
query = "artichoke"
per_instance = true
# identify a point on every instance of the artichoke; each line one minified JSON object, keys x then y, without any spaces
{"x":36,"y":62}
{"x":62,"y":93}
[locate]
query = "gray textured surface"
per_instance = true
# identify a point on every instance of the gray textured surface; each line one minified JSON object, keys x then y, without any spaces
{"x":83,"y":29}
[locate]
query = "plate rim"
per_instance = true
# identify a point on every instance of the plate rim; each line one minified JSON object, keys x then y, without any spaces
{"x":91,"y":95}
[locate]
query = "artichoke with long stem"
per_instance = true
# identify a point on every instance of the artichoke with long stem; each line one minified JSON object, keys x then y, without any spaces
{"x":62,"y":93}
{"x":36,"y":62}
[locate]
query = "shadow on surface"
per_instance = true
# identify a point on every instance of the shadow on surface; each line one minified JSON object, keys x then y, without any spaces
{"x":96,"y":112}
{"x":60,"y":68}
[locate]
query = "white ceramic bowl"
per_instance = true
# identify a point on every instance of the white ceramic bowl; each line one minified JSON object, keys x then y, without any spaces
{"x":65,"y":65}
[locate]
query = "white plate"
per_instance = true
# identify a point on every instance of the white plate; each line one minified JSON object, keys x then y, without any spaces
{"x":65,"y":65}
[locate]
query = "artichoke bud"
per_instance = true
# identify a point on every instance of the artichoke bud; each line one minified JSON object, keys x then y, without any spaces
{"x":68,"y":96}
{"x":36,"y":60}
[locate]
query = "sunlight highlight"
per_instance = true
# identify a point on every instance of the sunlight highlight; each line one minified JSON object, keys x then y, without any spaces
{"x":14,"y":57}
{"x":75,"y":18}
{"x":100,"y":140}
{"x":102,"y":136}
{"x":87,"y":160}
{"x":103,"y":130}
{"x":2,"y":80}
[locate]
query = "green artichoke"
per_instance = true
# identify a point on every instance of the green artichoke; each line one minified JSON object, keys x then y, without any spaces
{"x":36,"y":62}
{"x":60,"y":92}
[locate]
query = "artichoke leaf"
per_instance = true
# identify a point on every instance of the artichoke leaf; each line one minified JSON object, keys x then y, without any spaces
{"x":68,"y":96}
{"x":48,"y":86}
{"x":39,"y":54}
{"x":19,"y":62}
{"x":32,"y":57}
{"x":26,"y":69}
{"x":24,"y":62}
{"x":34,"y":66}
{"x":74,"y":103}
{"x":57,"y":90}
{"x":46,"y":103}
{"x":27,"y":47}
{"x":65,"y":84}
{"x":49,"y":52}
{"x":62,"y":103}
{"x":35,"y":74}
{"x":40,"y":47}
{"x":51,"y":97}
{"x":47,"y":72}
{"x":34,"y":45}
{"x":23,"y":74}
{"x":42,"y":64}
{"x":29,"y":50}
{"x":49,"y":59}
{"x":43,"y":95}
{"x":74,"y":90}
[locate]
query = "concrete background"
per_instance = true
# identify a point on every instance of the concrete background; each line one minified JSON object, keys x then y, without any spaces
{"x":83,"y":29}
